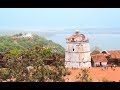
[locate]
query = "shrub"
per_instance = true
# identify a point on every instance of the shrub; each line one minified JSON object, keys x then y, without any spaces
{"x":84,"y":76}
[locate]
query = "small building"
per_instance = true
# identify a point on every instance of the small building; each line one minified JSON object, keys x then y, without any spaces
{"x":22,"y":35}
{"x":99,"y":60}
{"x":113,"y":57}
{"x":29,"y":35}
{"x":110,"y":57}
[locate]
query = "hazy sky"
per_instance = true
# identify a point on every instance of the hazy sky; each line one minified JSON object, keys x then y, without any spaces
{"x":42,"y":19}
{"x":59,"y":17}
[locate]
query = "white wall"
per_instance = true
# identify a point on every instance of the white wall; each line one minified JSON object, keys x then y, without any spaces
{"x":80,"y":53}
{"x":28,"y":35}
{"x":104,"y":63}
{"x":96,"y":63}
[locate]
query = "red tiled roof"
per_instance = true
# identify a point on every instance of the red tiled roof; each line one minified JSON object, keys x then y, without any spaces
{"x":96,"y":73}
{"x":102,"y":57}
{"x":75,"y":36}
{"x":114,"y":53}
{"x":99,"y":57}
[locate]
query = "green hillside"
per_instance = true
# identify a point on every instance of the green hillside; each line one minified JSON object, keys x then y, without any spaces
{"x":16,"y":42}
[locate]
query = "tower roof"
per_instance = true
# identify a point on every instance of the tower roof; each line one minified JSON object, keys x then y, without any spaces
{"x":76,"y":35}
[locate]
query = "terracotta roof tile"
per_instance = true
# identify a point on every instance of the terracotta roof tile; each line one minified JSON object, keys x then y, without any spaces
{"x":96,"y":74}
{"x":114,"y":53}
{"x":99,"y":57}
{"x":75,"y":36}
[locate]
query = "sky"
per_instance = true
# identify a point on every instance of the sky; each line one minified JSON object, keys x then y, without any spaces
{"x":65,"y":19}
{"x":59,"y":17}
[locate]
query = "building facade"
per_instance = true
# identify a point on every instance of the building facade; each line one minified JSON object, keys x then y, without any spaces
{"x":77,"y":52}
{"x":99,"y":60}
{"x":106,"y":58}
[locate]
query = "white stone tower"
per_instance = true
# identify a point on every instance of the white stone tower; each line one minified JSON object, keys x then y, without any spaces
{"x":77,"y":53}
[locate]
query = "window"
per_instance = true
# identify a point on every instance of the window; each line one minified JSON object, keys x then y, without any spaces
{"x":104,"y":52}
{"x":73,"y":49}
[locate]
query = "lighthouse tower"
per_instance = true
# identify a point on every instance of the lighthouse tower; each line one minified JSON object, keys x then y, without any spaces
{"x":77,"y":53}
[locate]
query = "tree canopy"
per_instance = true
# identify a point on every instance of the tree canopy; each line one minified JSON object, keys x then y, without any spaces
{"x":18,"y":62}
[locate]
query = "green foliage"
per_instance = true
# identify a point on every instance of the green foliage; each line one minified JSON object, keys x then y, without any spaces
{"x":15,"y":52}
{"x":18,"y":63}
{"x":57,"y":62}
{"x":20,"y":53}
{"x":4,"y":73}
{"x":19,"y":43}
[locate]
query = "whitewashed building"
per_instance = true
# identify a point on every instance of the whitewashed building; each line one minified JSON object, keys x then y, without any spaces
{"x":29,"y":35}
{"x":77,"y":53}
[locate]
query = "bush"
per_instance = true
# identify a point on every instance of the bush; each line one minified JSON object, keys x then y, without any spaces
{"x":17,"y":66}
{"x":4,"y":73}
{"x":84,"y":76}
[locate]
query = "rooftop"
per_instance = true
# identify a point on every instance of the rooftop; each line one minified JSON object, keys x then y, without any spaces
{"x":114,"y":53}
{"x":96,"y":73}
{"x":99,"y":57}
{"x":76,"y":37}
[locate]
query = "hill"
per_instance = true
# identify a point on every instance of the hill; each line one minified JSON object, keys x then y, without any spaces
{"x":18,"y":42}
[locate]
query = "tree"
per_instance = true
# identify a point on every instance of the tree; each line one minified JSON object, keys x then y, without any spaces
{"x":84,"y":76}
{"x":20,"y":34}
{"x":9,"y":43}
{"x":34,"y":57}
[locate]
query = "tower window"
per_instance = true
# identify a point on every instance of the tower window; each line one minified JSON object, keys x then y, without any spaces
{"x":73,"y":49}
